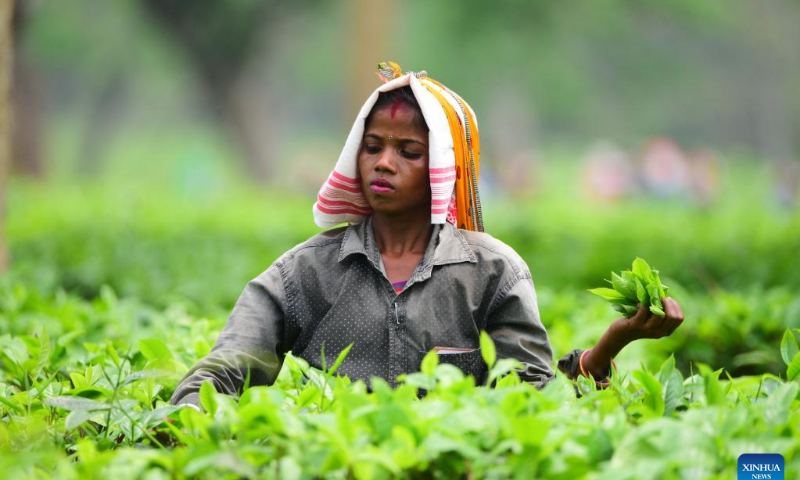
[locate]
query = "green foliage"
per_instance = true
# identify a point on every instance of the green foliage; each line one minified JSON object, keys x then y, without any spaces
{"x":639,"y":286}
{"x":488,"y":350}
{"x":99,"y":412}
{"x":106,"y":310}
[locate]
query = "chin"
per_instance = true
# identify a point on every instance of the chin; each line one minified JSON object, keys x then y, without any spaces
{"x":384,"y":209}
{"x":390,"y":210}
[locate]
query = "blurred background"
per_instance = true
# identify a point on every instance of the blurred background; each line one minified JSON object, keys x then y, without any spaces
{"x":166,"y":151}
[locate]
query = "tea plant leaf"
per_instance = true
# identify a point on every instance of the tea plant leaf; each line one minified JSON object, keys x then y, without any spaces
{"x":673,"y":392}
{"x":417,"y":380}
{"x":624,"y":286}
{"x":112,"y":352}
{"x":78,"y":380}
{"x":310,"y":395}
{"x":207,"y":400}
{"x":600,"y":446}
{"x":75,"y":403}
{"x":247,"y":380}
{"x":714,"y":393}
{"x":155,"y":417}
{"x":641,"y":293}
{"x":666,"y":369}
{"x":44,"y":351}
{"x":657,"y":310}
{"x":91,"y":392}
{"x":789,"y":347}
{"x":142,"y":374}
{"x":776,"y":410}
{"x":77,"y":417}
{"x":502,"y":368}
{"x":67,"y":338}
{"x":11,"y":405}
{"x":652,"y":291}
{"x":340,"y":359}
{"x":488,"y":351}
{"x":794,"y":368}
{"x":607,"y":293}
{"x":641,"y":269}
{"x":429,"y":363}
{"x":654,"y":401}
{"x":154,"y":349}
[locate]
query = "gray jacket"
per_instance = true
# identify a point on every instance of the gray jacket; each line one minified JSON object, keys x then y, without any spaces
{"x":333,"y":289}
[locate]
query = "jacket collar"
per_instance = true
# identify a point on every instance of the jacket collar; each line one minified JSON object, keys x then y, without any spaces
{"x":447,"y":246}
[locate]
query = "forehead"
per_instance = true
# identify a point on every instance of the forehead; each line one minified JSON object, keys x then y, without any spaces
{"x":398,"y":117}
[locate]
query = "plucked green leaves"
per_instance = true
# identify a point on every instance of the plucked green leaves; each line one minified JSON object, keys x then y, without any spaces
{"x":641,"y":285}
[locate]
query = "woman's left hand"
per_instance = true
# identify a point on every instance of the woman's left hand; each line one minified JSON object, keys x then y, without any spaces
{"x":645,"y":324}
{"x":623,"y":331}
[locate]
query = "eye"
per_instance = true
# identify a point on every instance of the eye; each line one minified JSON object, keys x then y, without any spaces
{"x":411,"y":155}
{"x":372,"y":148}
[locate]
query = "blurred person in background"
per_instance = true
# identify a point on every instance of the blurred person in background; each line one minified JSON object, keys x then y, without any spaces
{"x":664,"y":168}
{"x":607,"y":172}
{"x":787,"y":182}
{"x":411,"y":273}
{"x":704,"y":178}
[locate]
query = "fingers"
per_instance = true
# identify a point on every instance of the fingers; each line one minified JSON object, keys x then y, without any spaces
{"x":657,"y":325}
{"x":674,"y":314}
{"x":641,"y":315}
{"x":648,"y":324}
{"x":672,"y":308}
{"x":672,"y":328}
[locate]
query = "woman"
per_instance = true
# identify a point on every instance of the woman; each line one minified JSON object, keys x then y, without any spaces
{"x":401,"y":279}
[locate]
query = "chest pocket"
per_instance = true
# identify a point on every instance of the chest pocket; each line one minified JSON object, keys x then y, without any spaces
{"x":471,"y":363}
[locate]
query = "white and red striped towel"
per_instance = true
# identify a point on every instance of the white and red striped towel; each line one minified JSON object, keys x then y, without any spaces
{"x":341,"y":199}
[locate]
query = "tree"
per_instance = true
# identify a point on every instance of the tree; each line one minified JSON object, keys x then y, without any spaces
{"x":26,"y":101}
{"x":6,"y":39}
{"x":218,"y":39}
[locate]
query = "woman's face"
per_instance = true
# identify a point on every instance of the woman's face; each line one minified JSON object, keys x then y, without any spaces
{"x":393,"y":162}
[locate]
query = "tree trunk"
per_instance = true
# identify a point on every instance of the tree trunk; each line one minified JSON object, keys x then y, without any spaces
{"x":368,"y":47}
{"x":219,"y":51}
{"x":26,"y":101}
{"x":6,"y":10}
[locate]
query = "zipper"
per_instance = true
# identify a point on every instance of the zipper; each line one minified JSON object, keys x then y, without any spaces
{"x":396,"y":317}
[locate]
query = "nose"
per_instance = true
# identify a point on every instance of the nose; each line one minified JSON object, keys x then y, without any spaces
{"x":386,"y":161}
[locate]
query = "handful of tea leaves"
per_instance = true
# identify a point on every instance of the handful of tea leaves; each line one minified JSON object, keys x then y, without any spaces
{"x":640,"y":284}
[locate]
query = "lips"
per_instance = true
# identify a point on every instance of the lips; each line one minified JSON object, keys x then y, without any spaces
{"x":381,"y":186}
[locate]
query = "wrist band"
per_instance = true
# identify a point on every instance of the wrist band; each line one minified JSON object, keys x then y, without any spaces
{"x":585,"y":374}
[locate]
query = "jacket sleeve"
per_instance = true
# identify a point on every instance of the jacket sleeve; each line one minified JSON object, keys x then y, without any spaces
{"x":516,"y":328}
{"x":252,"y":340}
{"x":570,"y":364}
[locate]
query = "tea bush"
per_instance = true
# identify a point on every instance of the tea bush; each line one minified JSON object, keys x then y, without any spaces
{"x":93,"y":404}
{"x":114,"y":295}
{"x":166,"y":247}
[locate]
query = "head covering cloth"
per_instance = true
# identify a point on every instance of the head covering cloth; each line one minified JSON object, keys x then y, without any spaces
{"x":454,"y":157}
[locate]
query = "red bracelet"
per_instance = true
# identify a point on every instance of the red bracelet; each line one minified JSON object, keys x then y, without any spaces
{"x":585,"y":374}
